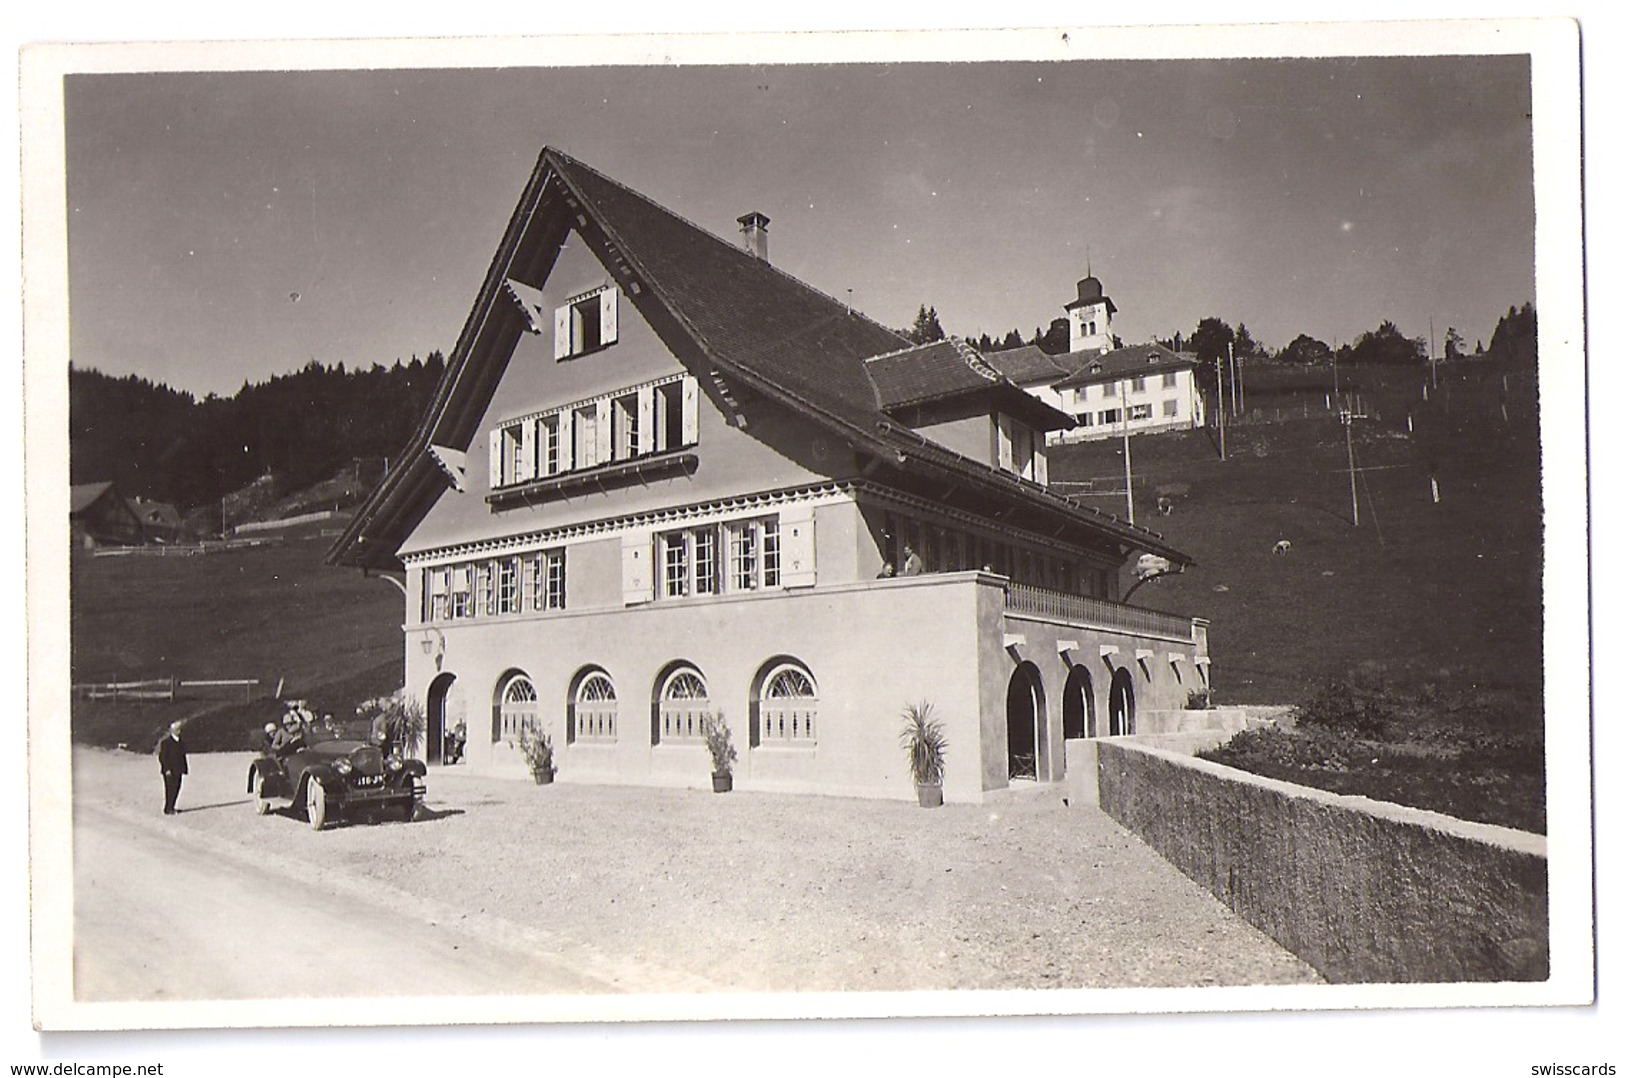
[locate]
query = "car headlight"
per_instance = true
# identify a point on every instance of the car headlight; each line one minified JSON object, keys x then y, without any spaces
{"x":343,"y":767}
{"x":395,"y":763}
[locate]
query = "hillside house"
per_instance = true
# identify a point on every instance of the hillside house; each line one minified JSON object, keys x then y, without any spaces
{"x":663,"y":479}
{"x":1107,"y":390}
{"x":98,"y":517}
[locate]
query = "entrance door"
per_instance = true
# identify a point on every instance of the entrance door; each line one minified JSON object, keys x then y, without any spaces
{"x":1023,"y":705}
{"x":1078,"y":705}
{"x":1122,"y":702}
{"x":439,"y":689}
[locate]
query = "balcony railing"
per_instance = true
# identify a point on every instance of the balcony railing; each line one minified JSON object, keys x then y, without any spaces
{"x":1095,"y":613}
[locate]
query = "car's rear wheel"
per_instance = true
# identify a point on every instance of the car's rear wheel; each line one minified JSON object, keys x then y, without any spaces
{"x":315,"y":804}
{"x":262,"y":803}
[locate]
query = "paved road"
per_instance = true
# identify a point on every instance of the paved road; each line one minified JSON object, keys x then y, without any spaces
{"x":160,"y":919}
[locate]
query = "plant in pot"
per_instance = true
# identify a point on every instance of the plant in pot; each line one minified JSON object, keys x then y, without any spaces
{"x":537,"y":748}
{"x":719,"y":743}
{"x":924,"y":742}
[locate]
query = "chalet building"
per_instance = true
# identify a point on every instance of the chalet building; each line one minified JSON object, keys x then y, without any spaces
{"x":98,"y":517}
{"x":160,"y":521}
{"x":1107,"y":390}
{"x":664,"y":480}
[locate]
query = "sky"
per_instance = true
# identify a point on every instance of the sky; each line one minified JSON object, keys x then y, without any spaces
{"x":228,"y":226}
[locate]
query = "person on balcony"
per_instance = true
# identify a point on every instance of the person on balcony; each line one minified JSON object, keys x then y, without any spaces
{"x":912,"y":565}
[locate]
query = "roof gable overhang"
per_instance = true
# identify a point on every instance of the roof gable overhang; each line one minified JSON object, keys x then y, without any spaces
{"x":718,"y":309}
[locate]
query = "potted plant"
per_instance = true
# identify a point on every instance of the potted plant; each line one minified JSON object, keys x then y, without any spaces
{"x":924,"y":742}
{"x":537,"y":748}
{"x":719,"y":743}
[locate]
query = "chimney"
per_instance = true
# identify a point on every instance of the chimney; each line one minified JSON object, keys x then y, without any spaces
{"x":753,"y":226}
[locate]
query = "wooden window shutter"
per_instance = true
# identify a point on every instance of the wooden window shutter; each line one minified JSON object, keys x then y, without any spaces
{"x":1040,"y":462}
{"x":561,"y":332}
{"x":647,"y":441}
{"x":799,"y":561}
{"x":523,"y":446}
{"x":605,"y":432}
{"x":608,"y":316}
{"x":567,"y":440}
{"x":1006,"y":450}
{"x":637,"y":573}
{"x":691,"y":410}
{"x":496,"y":458}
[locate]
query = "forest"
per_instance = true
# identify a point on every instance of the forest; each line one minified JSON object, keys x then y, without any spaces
{"x":165,"y":444}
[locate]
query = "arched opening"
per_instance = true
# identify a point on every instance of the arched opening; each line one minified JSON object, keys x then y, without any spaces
{"x":682,"y":705}
{"x":1121,"y":705}
{"x":437,"y":720}
{"x":1024,"y":712}
{"x":1078,"y":705}
{"x":516,"y":708}
{"x":593,"y":710}
{"x":783,"y":704}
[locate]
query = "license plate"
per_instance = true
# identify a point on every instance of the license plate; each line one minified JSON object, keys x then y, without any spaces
{"x":367,"y":780}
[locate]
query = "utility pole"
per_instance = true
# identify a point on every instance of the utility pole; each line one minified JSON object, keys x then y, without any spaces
{"x":1231,"y":349}
{"x":1218,"y":402}
{"x":1128,"y":467}
{"x":1349,"y":416}
{"x":1433,"y":358}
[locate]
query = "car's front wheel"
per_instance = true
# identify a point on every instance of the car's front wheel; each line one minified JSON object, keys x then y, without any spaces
{"x":262,"y":803}
{"x":315,"y":804}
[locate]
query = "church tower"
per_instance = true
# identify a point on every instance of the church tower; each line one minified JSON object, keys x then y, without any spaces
{"x":1090,"y":317}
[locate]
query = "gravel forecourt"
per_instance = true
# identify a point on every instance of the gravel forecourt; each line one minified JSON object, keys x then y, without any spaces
{"x":663,"y":890}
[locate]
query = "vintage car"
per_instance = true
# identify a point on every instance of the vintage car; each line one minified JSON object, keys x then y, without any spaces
{"x":333,"y":776}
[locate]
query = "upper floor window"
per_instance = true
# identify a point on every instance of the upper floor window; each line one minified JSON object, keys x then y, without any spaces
{"x":1169,"y":380}
{"x":586,"y":323}
{"x":652,"y":418}
{"x":1139,"y":411}
{"x":1137,"y":385}
{"x":1170,"y":408}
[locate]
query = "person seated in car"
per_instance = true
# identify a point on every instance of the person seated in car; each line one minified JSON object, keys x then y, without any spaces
{"x":291,"y":737}
{"x":268,"y":739}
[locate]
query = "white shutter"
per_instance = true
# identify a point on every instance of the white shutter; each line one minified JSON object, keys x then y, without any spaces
{"x":567,"y":439}
{"x":797,"y":551}
{"x":525,"y":446}
{"x":496,"y":458}
{"x":647,"y":443}
{"x":637,"y":575}
{"x":606,"y":433}
{"x":608,"y":317}
{"x":561,"y":332}
{"x":1006,"y":451}
{"x":1040,"y":464}
{"x":537,"y":456}
{"x":691,"y":410}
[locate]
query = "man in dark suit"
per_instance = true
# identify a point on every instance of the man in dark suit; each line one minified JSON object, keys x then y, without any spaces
{"x":172,"y":762}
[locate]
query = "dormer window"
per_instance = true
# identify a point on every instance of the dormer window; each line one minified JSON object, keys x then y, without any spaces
{"x":586,"y":323}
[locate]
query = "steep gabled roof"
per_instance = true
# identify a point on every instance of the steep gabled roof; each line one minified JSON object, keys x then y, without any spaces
{"x":951,"y":370}
{"x":717,"y":307}
{"x":1131,"y":362}
{"x":84,"y":495}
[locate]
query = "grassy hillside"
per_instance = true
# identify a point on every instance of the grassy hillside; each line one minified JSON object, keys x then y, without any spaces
{"x":272,"y":612}
{"x":1420,"y":594}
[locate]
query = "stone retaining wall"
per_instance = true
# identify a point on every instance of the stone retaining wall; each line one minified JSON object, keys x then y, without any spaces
{"x":1362,"y":890}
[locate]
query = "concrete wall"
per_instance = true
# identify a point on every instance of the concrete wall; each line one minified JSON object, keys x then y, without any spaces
{"x":1362,"y":890}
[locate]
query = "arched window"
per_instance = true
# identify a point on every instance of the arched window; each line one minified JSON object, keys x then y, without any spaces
{"x":684,"y":704}
{"x":518,"y":707}
{"x":594,"y":708}
{"x":788,"y":707}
